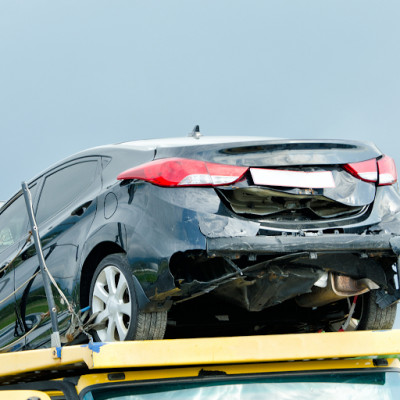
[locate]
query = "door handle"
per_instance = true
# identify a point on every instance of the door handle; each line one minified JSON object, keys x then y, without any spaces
{"x":81,"y":209}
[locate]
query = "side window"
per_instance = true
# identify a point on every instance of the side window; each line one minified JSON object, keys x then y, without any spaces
{"x":64,"y":186}
{"x":14,"y":222}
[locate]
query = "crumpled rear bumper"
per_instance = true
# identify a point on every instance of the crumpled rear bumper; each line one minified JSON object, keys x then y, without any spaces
{"x":349,"y":254}
{"x":328,"y":243}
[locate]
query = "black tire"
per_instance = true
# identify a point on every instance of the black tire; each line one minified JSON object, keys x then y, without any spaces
{"x":373,"y":317}
{"x":113,"y":295}
{"x":368,"y":315}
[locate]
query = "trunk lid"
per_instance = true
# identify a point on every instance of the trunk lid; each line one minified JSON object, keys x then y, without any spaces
{"x":275,"y":153}
{"x":318,"y":187}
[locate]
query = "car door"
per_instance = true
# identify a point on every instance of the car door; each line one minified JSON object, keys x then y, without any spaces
{"x":64,"y":213}
{"x":13,"y":239}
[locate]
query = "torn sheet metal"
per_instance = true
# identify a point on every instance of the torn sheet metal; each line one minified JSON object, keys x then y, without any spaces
{"x":216,"y":226}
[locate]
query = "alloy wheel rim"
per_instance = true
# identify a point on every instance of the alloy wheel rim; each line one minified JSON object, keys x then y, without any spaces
{"x":112,"y":300}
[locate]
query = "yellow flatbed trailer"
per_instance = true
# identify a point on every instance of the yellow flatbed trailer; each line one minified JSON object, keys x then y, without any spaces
{"x":341,"y":365}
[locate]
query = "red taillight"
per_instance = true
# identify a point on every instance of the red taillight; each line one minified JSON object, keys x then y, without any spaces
{"x":387,"y":171}
{"x":364,"y":170}
{"x":174,"y":172}
{"x":382,"y":171}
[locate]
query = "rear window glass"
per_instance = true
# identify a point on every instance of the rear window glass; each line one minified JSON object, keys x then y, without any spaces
{"x":64,"y":186}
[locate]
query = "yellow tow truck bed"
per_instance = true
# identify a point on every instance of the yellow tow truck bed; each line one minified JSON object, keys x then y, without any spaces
{"x":342,"y":364}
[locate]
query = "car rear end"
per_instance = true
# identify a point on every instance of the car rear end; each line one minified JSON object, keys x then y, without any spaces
{"x":315,"y":221}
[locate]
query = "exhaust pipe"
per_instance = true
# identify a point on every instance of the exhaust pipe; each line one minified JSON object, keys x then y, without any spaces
{"x":336,"y":287}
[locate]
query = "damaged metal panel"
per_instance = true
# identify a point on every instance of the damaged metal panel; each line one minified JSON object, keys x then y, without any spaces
{"x":288,"y":244}
{"x":386,"y":210}
{"x":277,"y":204}
{"x":214,"y":226}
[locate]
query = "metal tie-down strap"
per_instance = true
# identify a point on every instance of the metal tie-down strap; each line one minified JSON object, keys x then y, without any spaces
{"x":55,"y":336}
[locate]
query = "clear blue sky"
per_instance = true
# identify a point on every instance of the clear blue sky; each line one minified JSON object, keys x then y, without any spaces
{"x":76,"y":74}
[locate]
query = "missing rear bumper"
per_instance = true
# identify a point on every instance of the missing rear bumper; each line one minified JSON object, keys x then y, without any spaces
{"x":329,"y":243}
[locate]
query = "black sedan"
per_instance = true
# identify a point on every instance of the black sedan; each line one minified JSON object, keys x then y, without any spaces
{"x":253,"y":234}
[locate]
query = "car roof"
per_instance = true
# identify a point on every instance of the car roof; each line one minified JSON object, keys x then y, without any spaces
{"x":150,"y":145}
{"x":188,"y":142}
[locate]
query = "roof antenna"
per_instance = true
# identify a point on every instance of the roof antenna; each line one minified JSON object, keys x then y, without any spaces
{"x":196,"y":132}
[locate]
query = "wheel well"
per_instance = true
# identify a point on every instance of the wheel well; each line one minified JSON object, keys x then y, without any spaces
{"x":89,"y":266}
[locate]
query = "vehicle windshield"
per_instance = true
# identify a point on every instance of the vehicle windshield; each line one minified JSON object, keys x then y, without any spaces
{"x":382,"y":386}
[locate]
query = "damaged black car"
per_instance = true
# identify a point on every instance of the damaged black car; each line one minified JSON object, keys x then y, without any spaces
{"x":236,"y":234}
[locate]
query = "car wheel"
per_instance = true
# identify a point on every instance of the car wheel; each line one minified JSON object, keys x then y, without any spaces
{"x":113,"y":297}
{"x":373,"y":316}
{"x":367,"y":315}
